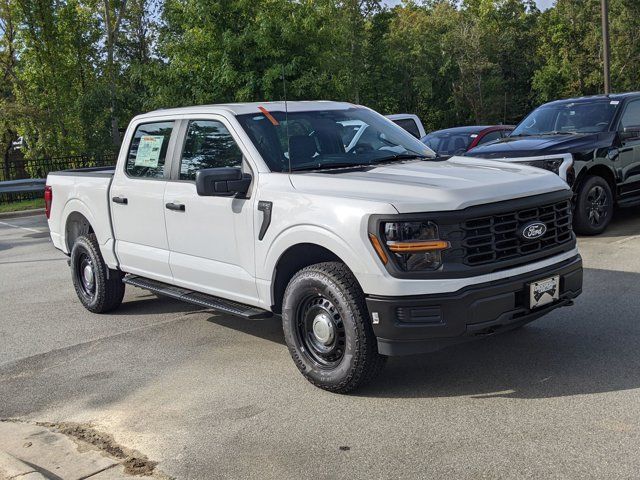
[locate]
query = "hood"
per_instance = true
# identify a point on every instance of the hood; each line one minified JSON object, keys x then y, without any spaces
{"x":428,"y":185}
{"x":542,"y":145}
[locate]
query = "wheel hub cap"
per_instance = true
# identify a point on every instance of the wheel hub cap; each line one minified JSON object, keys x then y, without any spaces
{"x":87,"y":273}
{"x":323,"y":329}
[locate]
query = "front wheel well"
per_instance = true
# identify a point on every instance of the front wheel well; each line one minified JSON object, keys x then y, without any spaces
{"x":600,"y":171}
{"x":293,"y":260}
{"x":76,"y":225}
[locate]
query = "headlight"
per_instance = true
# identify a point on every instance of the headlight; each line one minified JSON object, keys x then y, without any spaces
{"x":413,"y":246}
{"x":553,"y":164}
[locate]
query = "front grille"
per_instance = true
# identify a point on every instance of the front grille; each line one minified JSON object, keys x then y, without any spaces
{"x":495,"y":238}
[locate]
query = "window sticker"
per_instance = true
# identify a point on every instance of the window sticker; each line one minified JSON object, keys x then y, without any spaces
{"x":148,"y":152}
{"x":614,"y":102}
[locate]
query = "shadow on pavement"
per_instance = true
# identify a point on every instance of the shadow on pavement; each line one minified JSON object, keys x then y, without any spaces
{"x":266,"y":328}
{"x":149,"y":304}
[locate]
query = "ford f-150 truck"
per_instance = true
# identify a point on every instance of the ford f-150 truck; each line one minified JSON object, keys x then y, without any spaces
{"x":592,"y":142}
{"x":366,"y":249}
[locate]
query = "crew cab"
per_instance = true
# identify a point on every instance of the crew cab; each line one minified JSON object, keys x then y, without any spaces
{"x":591,"y":142}
{"x":365,"y":250}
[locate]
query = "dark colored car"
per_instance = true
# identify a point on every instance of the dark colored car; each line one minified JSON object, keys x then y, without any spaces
{"x":457,"y":140}
{"x":601,"y":134}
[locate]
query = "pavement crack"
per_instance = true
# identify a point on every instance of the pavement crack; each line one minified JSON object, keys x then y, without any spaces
{"x":83,"y":348}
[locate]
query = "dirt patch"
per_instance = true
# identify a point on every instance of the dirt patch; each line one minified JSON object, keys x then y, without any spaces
{"x":134,"y":462}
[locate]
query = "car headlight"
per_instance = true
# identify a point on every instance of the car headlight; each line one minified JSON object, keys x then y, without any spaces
{"x":413,"y":246}
{"x":552,"y":164}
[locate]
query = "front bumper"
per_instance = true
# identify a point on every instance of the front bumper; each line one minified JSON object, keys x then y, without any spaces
{"x":416,"y":324}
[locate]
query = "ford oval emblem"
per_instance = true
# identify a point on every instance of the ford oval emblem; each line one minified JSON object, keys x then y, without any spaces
{"x":533,"y":230}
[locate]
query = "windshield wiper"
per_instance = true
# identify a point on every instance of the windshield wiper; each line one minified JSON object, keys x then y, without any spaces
{"x":400,"y":156}
{"x":326,"y":166}
{"x":559,"y":132}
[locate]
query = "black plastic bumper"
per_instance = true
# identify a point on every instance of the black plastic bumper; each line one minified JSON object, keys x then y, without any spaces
{"x":418,"y":324}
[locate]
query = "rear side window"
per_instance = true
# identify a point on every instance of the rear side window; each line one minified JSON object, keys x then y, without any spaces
{"x":148,"y":150}
{"x":208,"y":145}
{"x":409,"y":125}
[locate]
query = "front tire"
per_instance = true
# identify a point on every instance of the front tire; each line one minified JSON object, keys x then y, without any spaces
{"x":99,"y":288}
{"x":594,"y":206}
{"x":327,"y":328}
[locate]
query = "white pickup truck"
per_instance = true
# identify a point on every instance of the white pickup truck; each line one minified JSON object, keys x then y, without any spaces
{"x":366,"y":249}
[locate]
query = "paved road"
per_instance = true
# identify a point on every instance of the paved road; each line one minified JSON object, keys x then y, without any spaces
{"x":211,"y":396}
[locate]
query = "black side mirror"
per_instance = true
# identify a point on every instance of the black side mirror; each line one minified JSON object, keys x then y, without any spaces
{"x":222,"y":182}
{"x":629,"y":133}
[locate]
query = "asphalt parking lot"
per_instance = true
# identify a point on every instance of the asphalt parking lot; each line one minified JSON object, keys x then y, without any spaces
{"x":210,"y":396}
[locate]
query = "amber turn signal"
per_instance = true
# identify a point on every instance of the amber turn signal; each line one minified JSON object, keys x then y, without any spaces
{"x":378,"y":248}
{"x":417,"y":247}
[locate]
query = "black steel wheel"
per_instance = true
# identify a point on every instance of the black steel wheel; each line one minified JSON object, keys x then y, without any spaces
{"x":594,"y":206}
{"x":99,"y":288}
{"x":319,"y":328}
{"x":327,"y":328}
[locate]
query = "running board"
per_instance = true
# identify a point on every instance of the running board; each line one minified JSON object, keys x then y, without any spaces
{"x":197,"y":298}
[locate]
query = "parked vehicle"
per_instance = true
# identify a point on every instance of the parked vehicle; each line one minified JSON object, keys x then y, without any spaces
{"x":411,"y":123}
{"x":600,"y":135}
{"x":254,"y":210}
{"x":457,"y":140}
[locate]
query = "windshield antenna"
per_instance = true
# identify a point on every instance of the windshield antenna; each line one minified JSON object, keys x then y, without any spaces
{"x":286,"y":115}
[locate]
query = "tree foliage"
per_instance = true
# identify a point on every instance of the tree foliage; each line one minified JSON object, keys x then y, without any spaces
{"x":73,"y":72}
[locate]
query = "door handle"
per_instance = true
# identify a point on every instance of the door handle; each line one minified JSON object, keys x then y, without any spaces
{"x":178,"y":207}
{"x":120,"y":200}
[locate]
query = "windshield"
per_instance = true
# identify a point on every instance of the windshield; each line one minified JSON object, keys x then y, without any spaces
{"x":575,"y":117}
{"x":328,"y":138}
{"x":449,"y":143}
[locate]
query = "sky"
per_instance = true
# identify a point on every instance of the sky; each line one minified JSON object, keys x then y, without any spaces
{"x":542,"y":4}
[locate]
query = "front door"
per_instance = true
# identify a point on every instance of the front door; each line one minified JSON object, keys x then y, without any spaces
{"x":629,"y":152}
{"x":211,"y":239}
{"x":137,"y":207}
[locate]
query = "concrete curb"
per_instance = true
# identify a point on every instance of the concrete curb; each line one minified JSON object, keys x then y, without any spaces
{"x":14,"y":468}
{"x":22,"y":213}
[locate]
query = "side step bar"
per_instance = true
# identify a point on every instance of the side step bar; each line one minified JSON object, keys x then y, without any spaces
{"x":197,"y":298}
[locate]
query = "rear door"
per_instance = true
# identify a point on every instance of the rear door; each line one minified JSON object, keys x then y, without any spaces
{"x":211,"y":238}
{"x":136,"y":198}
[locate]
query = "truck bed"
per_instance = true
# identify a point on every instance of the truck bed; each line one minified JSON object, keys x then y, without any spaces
{"x":86,"y":192}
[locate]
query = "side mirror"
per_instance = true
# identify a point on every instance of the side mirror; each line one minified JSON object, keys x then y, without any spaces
{"x":629,"y":133}
{"x":222,"y":182}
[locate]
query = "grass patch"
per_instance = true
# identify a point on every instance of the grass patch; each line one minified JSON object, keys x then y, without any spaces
{"x":22,"y":205}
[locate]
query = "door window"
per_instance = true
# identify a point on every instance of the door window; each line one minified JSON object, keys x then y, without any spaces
{"x":208,"y":145}
{"x":148,"y":150}
{"x":490,"y":137}
{"x":631,"y":117}
{"x":409,"y":125}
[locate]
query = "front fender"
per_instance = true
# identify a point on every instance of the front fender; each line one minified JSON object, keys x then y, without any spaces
{"x":315,"y":235}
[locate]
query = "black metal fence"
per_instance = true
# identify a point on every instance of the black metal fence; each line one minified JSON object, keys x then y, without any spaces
{"x":23,"y":179}
{"x":19,"y":169}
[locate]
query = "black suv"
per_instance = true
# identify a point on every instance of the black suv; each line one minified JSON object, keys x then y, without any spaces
{"x":601,"y":134}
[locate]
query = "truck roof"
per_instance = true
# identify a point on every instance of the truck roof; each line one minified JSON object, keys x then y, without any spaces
{"x":610,"y":96}
{"x":252,"y":107}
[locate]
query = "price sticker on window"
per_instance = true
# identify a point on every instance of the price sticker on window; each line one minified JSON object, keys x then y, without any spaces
{"x":148,"y":153}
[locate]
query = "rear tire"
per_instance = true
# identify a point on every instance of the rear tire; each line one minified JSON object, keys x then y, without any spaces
{"x":327,"y":328}
{"x":594,"y":206}
{"x":99,"y":288}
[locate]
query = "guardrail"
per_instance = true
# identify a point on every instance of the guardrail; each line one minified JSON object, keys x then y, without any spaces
{"x":18,"y":190}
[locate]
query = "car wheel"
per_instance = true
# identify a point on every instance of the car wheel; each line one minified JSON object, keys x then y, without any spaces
{"x":327,"y":328}
{"x":99,"y":288}
{"x":594,"y":206}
